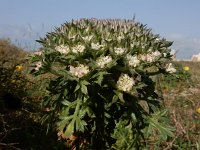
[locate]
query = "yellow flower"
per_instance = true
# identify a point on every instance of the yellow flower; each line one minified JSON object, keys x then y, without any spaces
{"x":186,"y":68}
{"x":198,"y":110}
{"x":18,"y":67}
{"x":12,"y":81}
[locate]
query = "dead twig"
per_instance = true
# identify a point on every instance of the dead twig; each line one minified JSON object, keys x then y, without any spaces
{"x":10,"y":145}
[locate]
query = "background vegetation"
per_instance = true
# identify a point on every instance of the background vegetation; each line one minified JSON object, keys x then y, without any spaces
{"x":20,"y":111}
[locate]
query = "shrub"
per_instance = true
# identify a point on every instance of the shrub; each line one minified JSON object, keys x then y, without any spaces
{"x":171,"y":81}
{"x":10,"y":55}
{"x":12,"y":78}
{"x":103,"y":95}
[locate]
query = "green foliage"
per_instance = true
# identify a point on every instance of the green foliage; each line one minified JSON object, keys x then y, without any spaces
{"x":169,"y":81}
{"x":158,"y":122}
{"x":19,"y":110}
{"x":104,"y":92}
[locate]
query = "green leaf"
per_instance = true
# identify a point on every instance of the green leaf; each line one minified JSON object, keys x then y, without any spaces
{"x":158,"y":121}
{"x":66,"y":103}
{"x":84,"y":87}
{"x":144,"y":105}
{"x":133,"y":117}
{"x":100,"y":77}
{"x":66,"y":118}
{"x":115,"y":98}
{"x":82,"y":112}
{"x":77,"y":88}
{"x":69,"y":104}
{"x":162,"y":129}
{"x":120,"y":96}
{"x":80,"y":125}
{"x":85,"y":82}
{"x":70,"y":129}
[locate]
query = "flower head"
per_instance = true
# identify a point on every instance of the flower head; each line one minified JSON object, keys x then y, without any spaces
{"x":119,"y":50}
{"x":87,"y":38}
{"x":96,"y":46}
{"x":119,"y":38}
{"x":151,"y":57}
{"x":18,"y":67}
{"x":132,"y":60}
{"x":170,"y":68}
{"x":103,"y":61}
{"x":125,"y":83}
{"x":186,"y":68}
{"x":38,"y":65}
{"x":78,"y":49}
{"x":198,"y":110}
{"x":156,"y":54}
{"x":63,"y":49}
{"x":79,"y":71}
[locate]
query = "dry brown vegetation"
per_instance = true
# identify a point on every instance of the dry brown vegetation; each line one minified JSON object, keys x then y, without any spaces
{"x":183,"y":102}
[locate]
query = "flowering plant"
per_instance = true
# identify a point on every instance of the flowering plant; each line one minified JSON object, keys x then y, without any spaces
{"x":103,"y":80}
{"x":177,"y":77}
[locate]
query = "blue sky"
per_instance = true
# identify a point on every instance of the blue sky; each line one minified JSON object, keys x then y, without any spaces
{"x":24,"y":21}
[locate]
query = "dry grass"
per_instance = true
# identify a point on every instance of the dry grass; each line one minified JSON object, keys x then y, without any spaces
{"x":183,"y":102}
{"x":194,"y":69}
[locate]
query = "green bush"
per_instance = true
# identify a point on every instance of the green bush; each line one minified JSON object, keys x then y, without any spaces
{"x":103,"y":95}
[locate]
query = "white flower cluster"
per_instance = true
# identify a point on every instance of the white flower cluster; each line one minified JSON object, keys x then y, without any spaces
{"x":38,"y":65}
{"x":164,"y":54}
{"x":79,"y":71}
{"x":78,"y":49}
{"x":103,"y":61}
{"x":87,"y":38}
{"x":63,"y":49}
{"x":119,"y":38}
{"x":133,"y":61}
{"x":170,"y":68}
{"x":157,"y":39}
{"x":119,"y":50}
{"x":96,"y":46}
{"x":151,"y":57}
{"x":125,"y":83}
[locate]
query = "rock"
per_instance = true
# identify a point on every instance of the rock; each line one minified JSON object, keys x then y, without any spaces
{"x":196,"y":58}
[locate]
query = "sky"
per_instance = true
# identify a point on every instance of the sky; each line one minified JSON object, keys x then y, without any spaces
{"x":24,"y":21}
